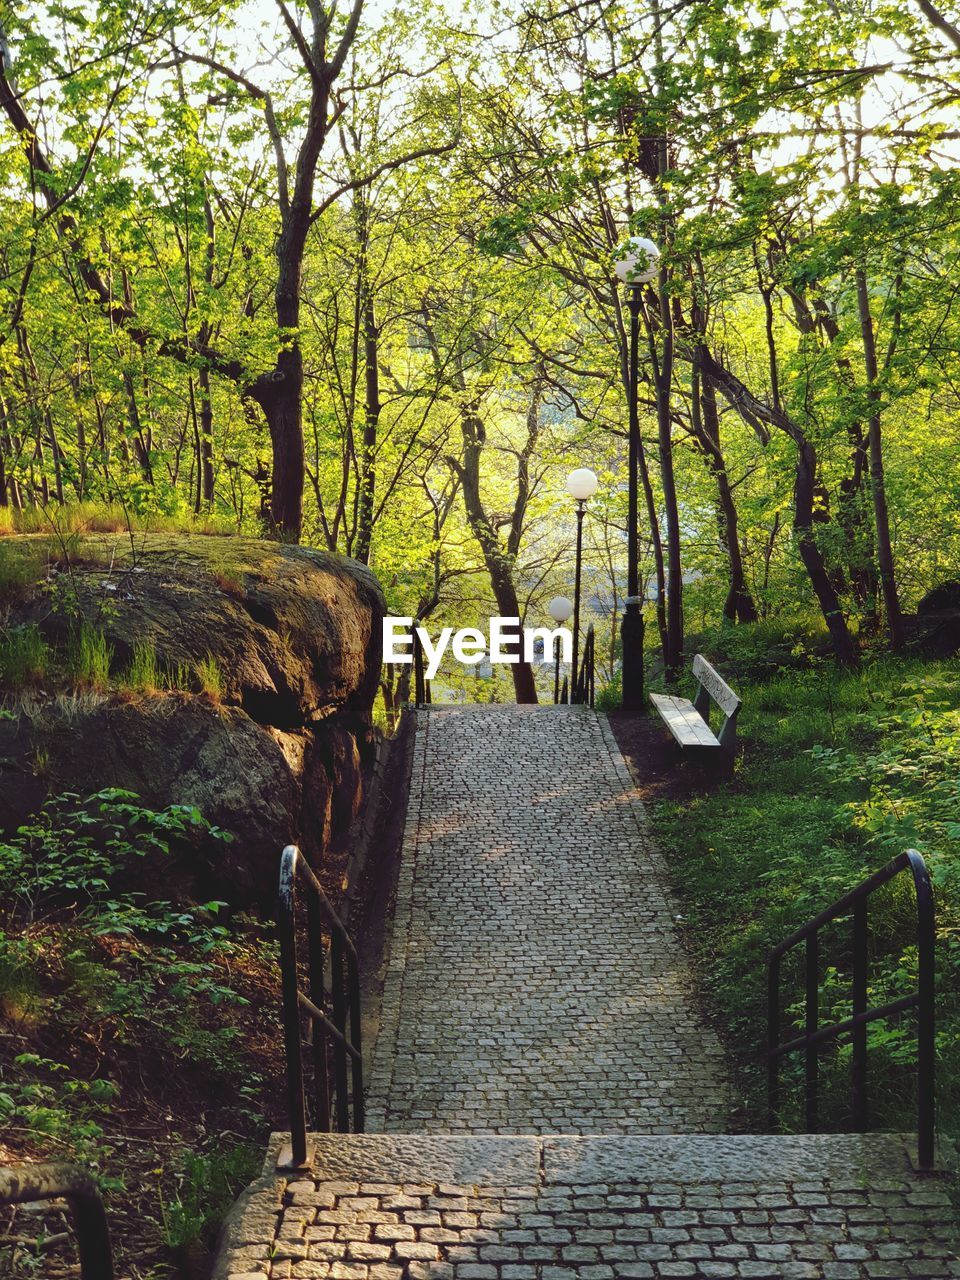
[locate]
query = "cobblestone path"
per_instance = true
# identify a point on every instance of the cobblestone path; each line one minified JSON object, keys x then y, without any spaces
{"x":399,"y":1207}
{"x":536,"y":987}
{"x":535,"y":981}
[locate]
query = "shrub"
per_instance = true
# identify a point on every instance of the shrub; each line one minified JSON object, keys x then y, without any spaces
{"x":758,"y":649}
{"x":77,"y":853}
{"x":204,"y":1187}
{"x":610,"y":696}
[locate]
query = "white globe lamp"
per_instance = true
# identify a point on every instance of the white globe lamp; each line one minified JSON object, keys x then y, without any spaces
{"x":560,"y":609}
{"x":582,"y":484}
{"x":637,"y":261}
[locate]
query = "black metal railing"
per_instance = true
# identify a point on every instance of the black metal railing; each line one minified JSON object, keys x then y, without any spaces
{"x":583,"y":692}
{"x":560,"y":694}
{"x":421,"y":685}
{"x":335,"y":1035}
{"x":855,"y":904}
{"x":31,"y":1182}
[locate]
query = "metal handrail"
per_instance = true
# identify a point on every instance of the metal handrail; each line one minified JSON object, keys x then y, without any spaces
{"x":584,"y":688}
{"x":923,"y":1000}
{"x":344,"y":1001}
{"x":30,"y":1182}
{"x":421,"y":685}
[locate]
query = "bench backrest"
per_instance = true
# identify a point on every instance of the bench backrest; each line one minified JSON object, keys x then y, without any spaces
{"x":713,"y":685}
{"x":718,"y":689}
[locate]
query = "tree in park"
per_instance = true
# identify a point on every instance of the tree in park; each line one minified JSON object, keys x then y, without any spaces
{"x":308,"y":284}
{"x":321,"y":45}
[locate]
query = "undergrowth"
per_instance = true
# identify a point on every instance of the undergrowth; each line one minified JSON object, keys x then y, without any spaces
{"x":840,"y":772}
{"x":109,"y":517}
{"x":119,"y":1000}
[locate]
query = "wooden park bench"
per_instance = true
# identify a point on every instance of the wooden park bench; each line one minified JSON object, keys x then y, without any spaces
{"x":689,"y":722}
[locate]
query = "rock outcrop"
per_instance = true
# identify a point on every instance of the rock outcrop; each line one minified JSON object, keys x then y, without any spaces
{"x":289,"y":638}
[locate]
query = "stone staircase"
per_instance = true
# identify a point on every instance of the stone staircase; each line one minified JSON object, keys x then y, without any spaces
{"x":546,"y":1099}
{"x":450,"y":1207}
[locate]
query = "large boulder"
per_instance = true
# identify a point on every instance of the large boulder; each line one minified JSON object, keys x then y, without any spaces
{"x":293,"y":638}
{"x":944,"y":598}
{"x":935,"y":628}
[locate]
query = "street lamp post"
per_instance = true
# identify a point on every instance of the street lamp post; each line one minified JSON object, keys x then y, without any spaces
{"x":637,"y":263}
{"x":581,"y":485}
{"x":559,"y":610}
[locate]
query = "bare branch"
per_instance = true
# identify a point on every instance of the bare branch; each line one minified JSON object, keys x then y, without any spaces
{"x":298,"y":39}
{"x":269,"y":117}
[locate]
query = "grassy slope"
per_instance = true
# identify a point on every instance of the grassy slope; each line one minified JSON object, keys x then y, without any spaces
{"x":839,"y":773}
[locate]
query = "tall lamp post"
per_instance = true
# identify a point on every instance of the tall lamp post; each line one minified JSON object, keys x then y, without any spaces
{"x":581,"y":485}
{"x":559,"y":610}
{"x":637,"y":263}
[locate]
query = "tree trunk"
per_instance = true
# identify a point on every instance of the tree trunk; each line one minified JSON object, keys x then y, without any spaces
{"x":282,"y":408}
{"x":738,"y":605}
{"x":663,"y":379}
{"x":804,"y":492}
{"x":206,"y":436}
{"x":888,"y":582}
{"x":4,"y":451}
{"x":756,"y":413}
{"x":857,"y":530}
{"x":673,"y":653}
{"x":136,"y":429}
{"x":497,"y":559}
{"x":368,"y":470}
{"x":653,"y":523}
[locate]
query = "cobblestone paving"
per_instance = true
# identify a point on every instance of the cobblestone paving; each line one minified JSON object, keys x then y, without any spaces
{"x":535,"y":981}
{"x":403,"y":1208}
{"x":536,"y":985}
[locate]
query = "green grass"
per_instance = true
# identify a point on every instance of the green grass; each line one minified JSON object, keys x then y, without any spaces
{"x":24,"y":657}
{"x":840,"y":772}
{"x":210,"y":678}
{"x":176,"y":677}
{"x":107,"y":517}
{"x":143,"y":674}
{"x":204,"y":1187}
{"x":88,"y":657}
{"x":20,"y":568}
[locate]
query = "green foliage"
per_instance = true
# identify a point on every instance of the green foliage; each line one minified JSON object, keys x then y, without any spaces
{"x":609,"y":696}
{"x":840,"y":773}
{"x":54,"y":1103}
{"x":203,"y":1188}
{"x":177,"y":200}
{"x":83,"y":944}
{"x":751,"y":651}
{"x":19,"y":986}
{"x":76,"y":852}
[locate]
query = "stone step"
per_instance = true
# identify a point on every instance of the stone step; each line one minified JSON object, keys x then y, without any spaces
{"x":460,"y":1207}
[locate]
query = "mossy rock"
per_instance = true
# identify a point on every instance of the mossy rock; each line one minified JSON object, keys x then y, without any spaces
{"x":277,"y":755}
